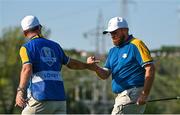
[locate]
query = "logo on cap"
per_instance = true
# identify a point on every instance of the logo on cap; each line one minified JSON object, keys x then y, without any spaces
{"x":115,"y":23}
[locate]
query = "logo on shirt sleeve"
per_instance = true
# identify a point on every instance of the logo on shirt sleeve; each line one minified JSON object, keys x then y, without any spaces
{"x":48,"y":56}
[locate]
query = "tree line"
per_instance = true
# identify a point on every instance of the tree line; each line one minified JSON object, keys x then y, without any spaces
{"x":167,"y":81}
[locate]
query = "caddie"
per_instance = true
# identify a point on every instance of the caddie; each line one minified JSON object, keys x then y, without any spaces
{"x":40,"y":77}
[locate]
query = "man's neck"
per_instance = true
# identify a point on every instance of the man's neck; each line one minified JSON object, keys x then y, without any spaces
{"x":31,"y":35}
{"x":126,"y":38}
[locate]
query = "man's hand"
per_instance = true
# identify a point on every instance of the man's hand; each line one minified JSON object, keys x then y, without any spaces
{"x":26,"y":72}
{"x":142,"y":99}
{"x":102,"y":73}
{"x":149,"y":78}
{"x":20,"y":101}
{"x":92,"y":60}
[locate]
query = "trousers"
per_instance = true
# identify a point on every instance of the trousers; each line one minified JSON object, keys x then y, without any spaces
{"x":125,"y":97}
{"x":44,"y":107}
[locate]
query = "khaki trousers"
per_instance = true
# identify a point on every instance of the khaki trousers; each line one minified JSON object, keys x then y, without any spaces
{"x":125,"y":97}
{"x":44,"y":107}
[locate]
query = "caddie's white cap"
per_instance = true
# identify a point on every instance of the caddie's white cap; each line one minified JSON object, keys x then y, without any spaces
{"x":29,"y":22}
{"x":115,"y":23}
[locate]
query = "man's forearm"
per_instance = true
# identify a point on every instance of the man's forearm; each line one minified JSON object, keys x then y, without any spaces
{"x":149,"y":78}
{"x":147,"y":85}
{"x":23,"y":80}
{"x":102,"y":73}
{"x":25,"y":75}
{"x":75,"y":64}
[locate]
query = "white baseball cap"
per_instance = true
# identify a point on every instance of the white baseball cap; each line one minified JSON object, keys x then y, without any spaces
{"x":115,"y":23}
{"x":29,"y":22}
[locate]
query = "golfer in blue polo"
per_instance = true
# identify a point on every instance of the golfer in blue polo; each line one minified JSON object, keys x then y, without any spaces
{"x":131,"y":66}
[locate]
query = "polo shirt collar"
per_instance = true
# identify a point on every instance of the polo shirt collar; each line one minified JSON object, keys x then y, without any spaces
{"x":130,"y":37}
{"x":37,"y":36}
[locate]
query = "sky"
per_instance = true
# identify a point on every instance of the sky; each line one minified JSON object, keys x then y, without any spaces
{"x":155,"y":22}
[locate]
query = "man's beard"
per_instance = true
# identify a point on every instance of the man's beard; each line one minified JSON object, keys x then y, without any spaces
{"x":121,"y":41}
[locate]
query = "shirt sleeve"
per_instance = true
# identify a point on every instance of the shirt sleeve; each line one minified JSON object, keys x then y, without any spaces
{"x":142,"y":53}
{"x":24,"y":55}
{"x":107,"y":63}
{"x":65,"y":59}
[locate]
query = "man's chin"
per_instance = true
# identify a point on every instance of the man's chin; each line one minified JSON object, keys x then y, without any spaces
{"x":116,"y":44}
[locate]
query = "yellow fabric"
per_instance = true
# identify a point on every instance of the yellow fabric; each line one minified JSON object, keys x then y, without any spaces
{"x":144,"y":52}
{"x":23,"y":55}
{"x":38,"y":36}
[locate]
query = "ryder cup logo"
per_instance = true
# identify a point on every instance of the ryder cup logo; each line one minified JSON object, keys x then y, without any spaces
{"x":124,"y":55}
{"x":48,"y":56}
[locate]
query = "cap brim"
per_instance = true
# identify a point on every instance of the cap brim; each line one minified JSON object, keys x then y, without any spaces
{"x":109,"y":30}
{"x":105,"y":32}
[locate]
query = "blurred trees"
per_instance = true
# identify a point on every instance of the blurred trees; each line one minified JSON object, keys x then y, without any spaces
{"x":163,"y":87}
{"x":168,"y":67}
{"x":167,"y":81}
{"x":10,"y":42}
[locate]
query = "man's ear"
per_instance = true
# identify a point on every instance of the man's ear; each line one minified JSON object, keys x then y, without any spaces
{"x":25,"y":33}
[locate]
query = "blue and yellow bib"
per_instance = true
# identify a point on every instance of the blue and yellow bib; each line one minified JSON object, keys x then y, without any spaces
{"x":47,"y":58}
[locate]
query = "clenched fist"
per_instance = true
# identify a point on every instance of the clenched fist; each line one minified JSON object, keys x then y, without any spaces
{"x":92,"y":60}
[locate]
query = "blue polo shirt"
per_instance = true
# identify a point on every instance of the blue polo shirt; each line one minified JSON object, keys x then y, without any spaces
{"x":47,"y":58}
{"x":126,"y":63}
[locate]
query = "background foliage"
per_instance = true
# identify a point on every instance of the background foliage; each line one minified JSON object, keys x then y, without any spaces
{"x":167,"y":81}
